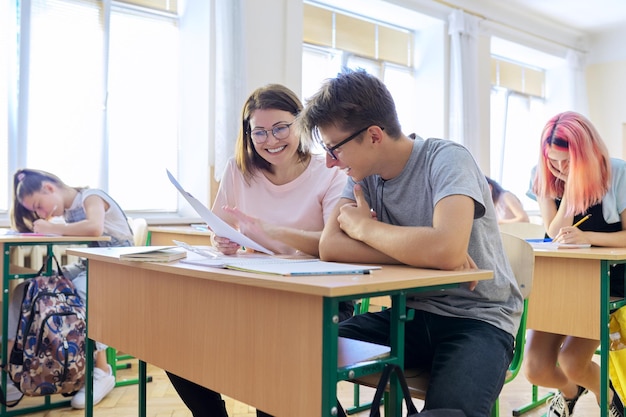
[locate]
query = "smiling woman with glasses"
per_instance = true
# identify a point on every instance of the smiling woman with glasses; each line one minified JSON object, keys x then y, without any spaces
{"x":276,"y":192}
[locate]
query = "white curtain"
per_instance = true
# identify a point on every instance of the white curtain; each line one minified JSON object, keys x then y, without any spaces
{"x":576,"y":64}
{"x":464,"y":108}
{"x":229,"y":79}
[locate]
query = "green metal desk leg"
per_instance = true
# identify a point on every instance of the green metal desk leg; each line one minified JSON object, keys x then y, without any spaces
{"x":330,"y":333}
{"x":91,"y":347}
{"x":604,"y":337}
{"x":113,"y":359}
{"x":142,"y":389}
{"x":399,"y":315}
{"x":360,"y":308}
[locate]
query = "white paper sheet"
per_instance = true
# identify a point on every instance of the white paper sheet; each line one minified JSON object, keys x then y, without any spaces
{"x":219,"y":226}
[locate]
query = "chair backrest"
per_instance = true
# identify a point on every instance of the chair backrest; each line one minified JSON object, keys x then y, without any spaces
{"x":522,"y":260}
{"x":524,"y":230}
{"x":139,"y":226}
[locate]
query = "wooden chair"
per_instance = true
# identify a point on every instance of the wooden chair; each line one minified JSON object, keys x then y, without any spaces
{"x":528,"y":231}
{"x":522,"y":260}
{"x":524,"y":230}
{"x":139,"y":226}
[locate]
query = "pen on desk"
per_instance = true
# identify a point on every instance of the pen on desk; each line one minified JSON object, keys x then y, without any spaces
{"x":581,"y":221}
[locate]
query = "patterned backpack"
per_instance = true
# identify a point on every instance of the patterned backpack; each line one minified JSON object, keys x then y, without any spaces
{"x":48,"y":356}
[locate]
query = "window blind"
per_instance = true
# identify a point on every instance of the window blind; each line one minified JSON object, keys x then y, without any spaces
{"x":170,"y":6}
{"x":517,"y":77}
{"x":361,"y":36}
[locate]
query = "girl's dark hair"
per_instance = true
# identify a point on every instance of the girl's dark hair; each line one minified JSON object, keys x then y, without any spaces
{"x":269,"y":97}
{"x":26,"y":182}
{"x":496,"y":190}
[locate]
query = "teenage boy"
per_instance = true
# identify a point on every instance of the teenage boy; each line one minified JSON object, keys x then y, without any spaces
{"x":423,"y":203}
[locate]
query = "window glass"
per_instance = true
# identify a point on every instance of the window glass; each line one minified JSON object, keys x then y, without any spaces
{"x":317,"y":65}
{"x":98,"y":105}
{"x":65,"y":95}
{"x":6,"y":51}
{"x":142,"y":109}
{"x":333,"y":39}
{"x":401,"y":83}
{"x":516,"y":122}
{"x":520,"y":107}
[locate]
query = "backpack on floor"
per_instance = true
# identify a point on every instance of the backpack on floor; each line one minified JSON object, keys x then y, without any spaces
{"x":48,"y":356}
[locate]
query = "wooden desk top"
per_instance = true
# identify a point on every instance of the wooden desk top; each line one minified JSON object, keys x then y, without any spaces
{"x":43,"y":239}
{"x":610,"y":254}
{"x":186,"y":229}
{"x":389,"y":278}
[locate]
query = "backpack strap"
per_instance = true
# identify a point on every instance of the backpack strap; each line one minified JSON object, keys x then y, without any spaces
{"x":382,"y":387}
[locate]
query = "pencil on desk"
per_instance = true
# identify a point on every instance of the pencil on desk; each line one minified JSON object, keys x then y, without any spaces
{"x":581,"y":221}
{"x":50,"y":215}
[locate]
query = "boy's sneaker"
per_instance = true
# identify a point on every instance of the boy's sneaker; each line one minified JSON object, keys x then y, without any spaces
{"x":617,"y":408}
{"x":563,"y":407}
{"x":614,"y":411}
{"x":103,"y":383}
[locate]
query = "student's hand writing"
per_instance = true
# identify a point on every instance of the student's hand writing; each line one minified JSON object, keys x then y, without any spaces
{"x":225,"y":245}
{"x":469,"y":264}
{"x":43,"y":226}
{"x":353,"y":218}
{"x":571,"y":234}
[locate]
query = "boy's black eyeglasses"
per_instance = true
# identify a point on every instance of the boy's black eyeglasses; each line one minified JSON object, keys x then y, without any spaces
{"x":280,"y":132}
{"x":331,"y":150}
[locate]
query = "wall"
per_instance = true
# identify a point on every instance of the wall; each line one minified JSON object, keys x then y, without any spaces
{"x":273,"y":43}
{"x":606,"y":86}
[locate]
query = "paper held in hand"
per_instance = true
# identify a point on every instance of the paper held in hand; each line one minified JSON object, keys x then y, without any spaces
{"x":217,"y":225}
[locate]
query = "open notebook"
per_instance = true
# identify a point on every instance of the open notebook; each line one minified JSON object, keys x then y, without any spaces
{"x":219,"y":226}
{"x":277,"y":265}
{"x":549,"y":244}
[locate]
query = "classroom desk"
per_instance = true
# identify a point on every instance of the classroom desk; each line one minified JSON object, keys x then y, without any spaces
{"x":570,"y":295}
{"x":9,"y":272}
{"x":163,"y":235}
{"x":265,"y":340}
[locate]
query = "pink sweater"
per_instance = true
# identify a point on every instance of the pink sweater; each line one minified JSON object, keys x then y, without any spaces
{"x":304,"y":203}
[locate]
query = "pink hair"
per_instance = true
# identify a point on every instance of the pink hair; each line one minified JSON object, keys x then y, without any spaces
{"x":589,"y":164}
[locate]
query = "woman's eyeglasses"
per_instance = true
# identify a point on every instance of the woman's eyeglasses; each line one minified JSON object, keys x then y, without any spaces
{"x":280,"y":132}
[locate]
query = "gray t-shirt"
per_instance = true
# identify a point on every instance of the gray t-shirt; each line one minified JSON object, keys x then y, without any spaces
{"x":115,"y":222}
{"x":436,"y":169}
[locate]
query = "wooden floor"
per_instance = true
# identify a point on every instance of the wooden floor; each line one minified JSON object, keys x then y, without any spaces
{"x":164,"y":402}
